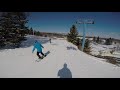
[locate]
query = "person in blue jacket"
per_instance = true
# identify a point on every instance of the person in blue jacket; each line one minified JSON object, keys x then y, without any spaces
{"x":38,"y":46}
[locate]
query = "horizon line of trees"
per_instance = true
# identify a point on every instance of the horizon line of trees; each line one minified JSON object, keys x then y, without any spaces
{"x":108,"y":41}
{"x":45,"y":34}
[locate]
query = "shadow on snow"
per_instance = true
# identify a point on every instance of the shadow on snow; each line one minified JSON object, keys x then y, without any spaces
{"x":64,"y":72}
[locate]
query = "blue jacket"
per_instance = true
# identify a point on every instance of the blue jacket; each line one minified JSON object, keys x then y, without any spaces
{"x":37,"y":46}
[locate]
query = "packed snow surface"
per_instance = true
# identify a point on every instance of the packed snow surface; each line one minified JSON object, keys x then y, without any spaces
{"x":21,"y":62}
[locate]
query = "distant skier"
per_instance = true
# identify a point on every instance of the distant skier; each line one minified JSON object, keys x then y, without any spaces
{"x":38,"y":46}
{"x":50,"y":40}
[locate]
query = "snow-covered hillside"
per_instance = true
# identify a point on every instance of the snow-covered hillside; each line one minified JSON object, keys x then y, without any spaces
{"x":21,"y":62}
{"x":104,"y":50}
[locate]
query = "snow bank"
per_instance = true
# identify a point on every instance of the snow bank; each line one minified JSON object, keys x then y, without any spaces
{"x":104,"y":50}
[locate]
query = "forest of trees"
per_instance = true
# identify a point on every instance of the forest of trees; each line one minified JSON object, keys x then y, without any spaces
{"x":12,"y":28}
{"x":108,"y":41}
{"x":73,"y":38}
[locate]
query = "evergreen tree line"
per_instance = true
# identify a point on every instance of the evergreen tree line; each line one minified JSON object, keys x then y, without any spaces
{"x":108,"y":41}
{"x":73,"y":38}
{"x":33,"y":32}
{"x":12,"y":28}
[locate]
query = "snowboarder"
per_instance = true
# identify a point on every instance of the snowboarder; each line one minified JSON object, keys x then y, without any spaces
{"x":38,"y":46}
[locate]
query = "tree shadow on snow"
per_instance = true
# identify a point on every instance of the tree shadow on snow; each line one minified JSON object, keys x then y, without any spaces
{"x":54,"y":44}
{"x":64,"y":72}
{"x":70,"y":47}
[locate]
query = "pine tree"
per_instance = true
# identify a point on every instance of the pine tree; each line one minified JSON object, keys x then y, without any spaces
{"x":13,"y":26}
{"x":27,"y":31}
{"x":20,"y":20}
{"x":38,"y":33}
{"x":111,"y":40}
{"x":108,"y":41}
{"x":6,"y":24}
{"x":79,"y":44}
{"x":72,"y":36}
{"x":1,"y":37}
{"x":31,"y":31}
{"x":98,"y":39}
{"x":87,"y":46}
{"x":94,"y":39}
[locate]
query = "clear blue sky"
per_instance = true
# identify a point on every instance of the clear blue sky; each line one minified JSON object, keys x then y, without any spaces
{"x":107,"y":24}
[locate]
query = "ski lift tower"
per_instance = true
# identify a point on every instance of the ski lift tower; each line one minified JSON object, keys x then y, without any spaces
{"x":84,"y":22}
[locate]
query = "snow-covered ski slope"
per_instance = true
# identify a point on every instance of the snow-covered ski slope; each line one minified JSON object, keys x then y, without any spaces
{"x":20,"y":62}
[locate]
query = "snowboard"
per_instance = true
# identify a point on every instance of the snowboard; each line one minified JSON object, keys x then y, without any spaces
{"x":43,"y":56}
{"x":39,"y":59}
